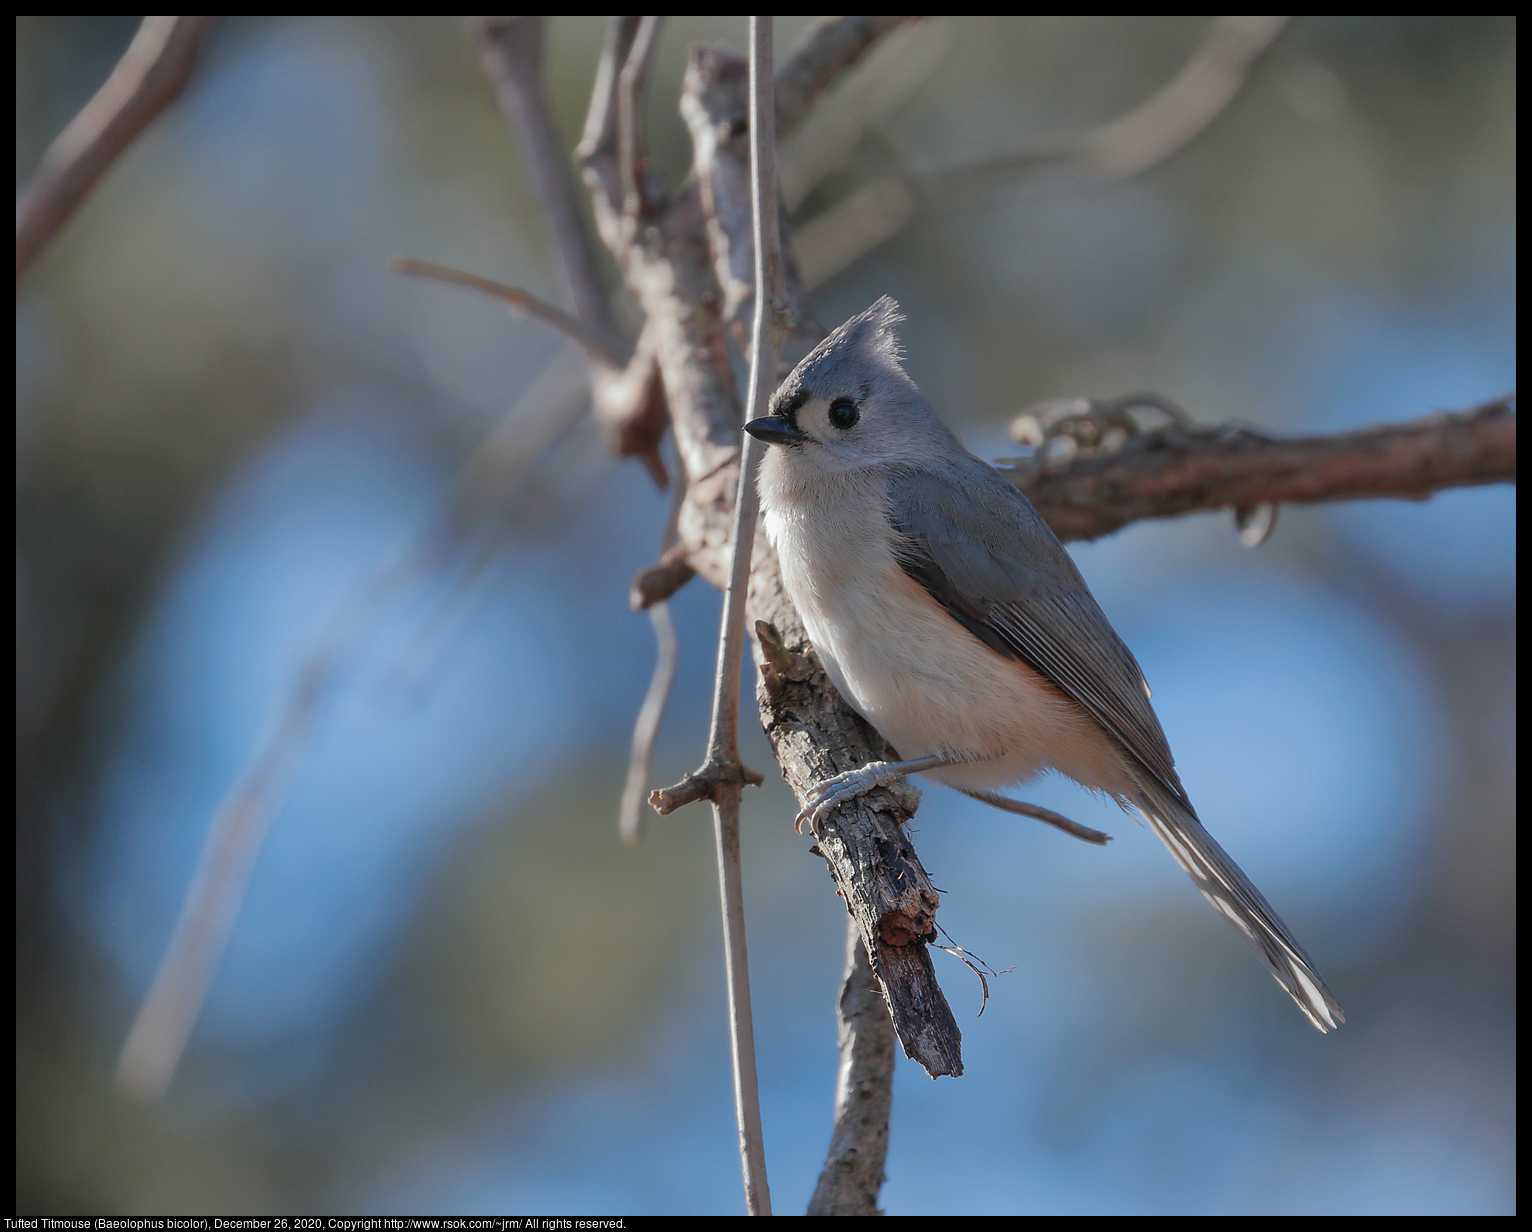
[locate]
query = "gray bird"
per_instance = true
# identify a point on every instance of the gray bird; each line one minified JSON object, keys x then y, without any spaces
{"x":949,"y":615}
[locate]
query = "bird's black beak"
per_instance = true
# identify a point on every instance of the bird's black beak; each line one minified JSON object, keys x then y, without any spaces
{"x":775,"y":431}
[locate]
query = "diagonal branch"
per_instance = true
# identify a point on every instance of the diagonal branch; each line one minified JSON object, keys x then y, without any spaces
{"x":626,"y":393}
{"x":1179,"y":470}
{"x":823,"y":52}
{"x":511,"y":49}
{"x":169,"y":1011}
{"x":602,"y":347}
{"x":150,"y":76}
{"x":1133,"y":143}
{"x":1149,"y":134}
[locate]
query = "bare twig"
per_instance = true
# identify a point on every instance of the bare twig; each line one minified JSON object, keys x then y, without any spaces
{"x":657,"y":582}
{"x":150,"y":76}
{"x":1127,"y":146}
{"x":600,"y":147}
{"x":716,"y":106}
{"x":627,"y":394}
{"x":825,"y":140}
{"x":853,"y":1171}
{"x":630,"y":812}
{"x":824,"y":51}
{"x":815,"y":736}
{"x":1150,"y":133}
{"x":512,"y":52}
{"x":1179,"y":470}
{"x":1038,"y":813}
{"x":602,"y":347}
{"x":665,"y":267}
{"x":165,"y":1020}
{"x":639,"y":198}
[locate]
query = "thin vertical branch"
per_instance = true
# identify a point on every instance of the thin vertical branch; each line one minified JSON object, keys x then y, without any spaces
{"x":638,"y":197}
{"x":864,"y":1091}
{"x":630,"y":812}
{"x":723,"y":742}
{"x":722,"y":777}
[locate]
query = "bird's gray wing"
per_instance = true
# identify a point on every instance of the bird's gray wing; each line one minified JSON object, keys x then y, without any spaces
{"x":977,"y":545}
{"x":980,"y":549}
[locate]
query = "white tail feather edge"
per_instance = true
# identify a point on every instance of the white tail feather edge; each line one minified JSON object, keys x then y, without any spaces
{"x":1225,"y":886}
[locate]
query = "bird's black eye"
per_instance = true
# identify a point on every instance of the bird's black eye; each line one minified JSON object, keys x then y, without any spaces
{"x":843,"y":413}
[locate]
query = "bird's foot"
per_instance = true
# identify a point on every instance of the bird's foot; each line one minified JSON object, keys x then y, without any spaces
{"x":832,"y":793}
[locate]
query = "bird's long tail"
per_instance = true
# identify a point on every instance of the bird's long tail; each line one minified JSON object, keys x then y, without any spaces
{"x":1225,"y":886}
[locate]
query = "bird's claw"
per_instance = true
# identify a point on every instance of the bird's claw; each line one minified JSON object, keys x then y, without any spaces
{"x":834,"y":792}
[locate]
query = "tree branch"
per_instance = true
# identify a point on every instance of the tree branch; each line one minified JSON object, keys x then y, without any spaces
{"x":815,"y":736}
{"x":626,"y":393}
{"x":604,"y":348}
{"x":715,"y":108}
{"x":640,"y":200}
{"x":511,"y":49}
{"x":1149,"y":134}
{"x":169,"y":1011}
{"x":853,"y":1171}
{"x":824,"y":51}
{"x":1180,"y":470}
{"x":818,"y":735}
{"x":646,"y":728}
{"x":771,"y":326}
{"x":1130,"y":145}
{"x":150,"y":76}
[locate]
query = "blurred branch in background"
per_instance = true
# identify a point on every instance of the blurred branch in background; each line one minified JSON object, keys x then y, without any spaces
{"x":164,"y":1021}
{"x":632,"y":811}
{"x":626,"y":392}
{"x":1149,"y":134}
{"x":603,"y":348}
{"x":511,"y":50}
{"x":853,"y":1172}
{"x":149,"y":77}
{"x":1120,"y":149}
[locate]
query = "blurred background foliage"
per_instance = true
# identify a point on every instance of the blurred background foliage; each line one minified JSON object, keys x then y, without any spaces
{"x":451,"y":988}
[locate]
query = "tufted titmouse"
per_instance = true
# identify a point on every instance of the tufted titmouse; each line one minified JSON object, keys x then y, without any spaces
{"x":949,"y":615}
